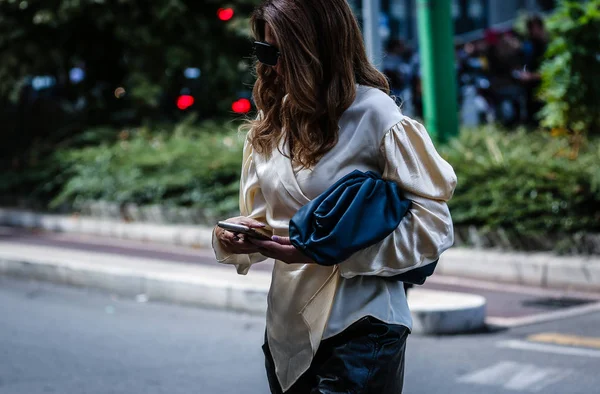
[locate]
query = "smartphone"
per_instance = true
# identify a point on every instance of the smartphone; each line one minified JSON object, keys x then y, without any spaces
{"x":241,"y":229}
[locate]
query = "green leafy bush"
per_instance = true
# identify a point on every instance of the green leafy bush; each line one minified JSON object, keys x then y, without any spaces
{"x":570,"y":82}
{"x":524,"y":183}
{"x":182,"y":167}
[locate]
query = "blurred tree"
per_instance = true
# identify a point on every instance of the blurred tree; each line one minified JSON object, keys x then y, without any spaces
{"x":140,"y":45}
{"x":68,"y":65}
{"x":571,"y":71}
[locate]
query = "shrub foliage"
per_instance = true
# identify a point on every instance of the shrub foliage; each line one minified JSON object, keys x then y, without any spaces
{"x":570,"y":82}
{"x":186,"y":166}
{"x":525,"y":183}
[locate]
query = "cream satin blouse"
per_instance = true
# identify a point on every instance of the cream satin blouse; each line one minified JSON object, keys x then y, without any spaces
{"x":309,"y":302}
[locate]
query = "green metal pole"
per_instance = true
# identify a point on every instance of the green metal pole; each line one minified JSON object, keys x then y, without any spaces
{"x":438,"y":76}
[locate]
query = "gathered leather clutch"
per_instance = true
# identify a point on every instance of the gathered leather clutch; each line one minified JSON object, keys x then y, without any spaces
{"x":359,"y":210}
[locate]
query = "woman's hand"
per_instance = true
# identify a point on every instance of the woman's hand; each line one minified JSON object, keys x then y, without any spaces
{"x":280,"y":248}
{"x":238,"y":243}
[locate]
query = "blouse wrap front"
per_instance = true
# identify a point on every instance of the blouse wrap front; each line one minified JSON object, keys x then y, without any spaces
{"x":373,"y":136}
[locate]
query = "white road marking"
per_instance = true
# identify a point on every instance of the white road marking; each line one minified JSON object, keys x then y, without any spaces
{"x":543,"y":348}
{"x":516,"y":376}
{"x":532,"y":378}
{"x":496,"y":373}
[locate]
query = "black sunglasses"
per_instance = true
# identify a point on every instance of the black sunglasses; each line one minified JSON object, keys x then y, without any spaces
{"x":266,"y":53}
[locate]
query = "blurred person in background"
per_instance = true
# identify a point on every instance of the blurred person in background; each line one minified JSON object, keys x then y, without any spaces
{"x":506,"y":93}
{"x":398,"y":68}
{"x":473,"y":75}
{"x":534,"y":48}
{"x":324,"y":111}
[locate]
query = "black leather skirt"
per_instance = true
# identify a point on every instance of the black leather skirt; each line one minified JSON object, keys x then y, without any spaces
{"x":367,"y":357}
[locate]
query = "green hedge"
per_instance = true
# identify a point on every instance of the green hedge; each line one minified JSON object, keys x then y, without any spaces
{"x":519,"y":183}
{"x":524,"y":182}
{"x":184,"y":166}
{"x":570,"y":85}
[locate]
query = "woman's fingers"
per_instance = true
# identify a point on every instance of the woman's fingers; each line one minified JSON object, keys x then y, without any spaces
{"x":227,"y":236}
{"x":278,"y":248}
{"x":237,"y":243}
{"x":252,"y":223}
{"x":281,"y":240}
{"x":242,"y":247}
{"x":264,"y":244}
{"x":268,"y":248}
{"x":286,"y":253}
{"x":246,"y":222}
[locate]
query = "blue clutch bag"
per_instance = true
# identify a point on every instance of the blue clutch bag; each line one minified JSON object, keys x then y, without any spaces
{"x":358,"y":211}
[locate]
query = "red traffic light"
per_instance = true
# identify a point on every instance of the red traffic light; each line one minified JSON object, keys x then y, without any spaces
{"x":225,"y":14}
{"x":241,"y":106}
{"x":185,"y":101}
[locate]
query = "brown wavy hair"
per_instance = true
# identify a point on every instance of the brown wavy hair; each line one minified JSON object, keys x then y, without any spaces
{"x":322,"y":59}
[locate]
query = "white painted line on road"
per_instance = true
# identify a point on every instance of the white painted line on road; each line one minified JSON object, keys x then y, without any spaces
{"x":516,"y":376}
{"x":543,"y":317}
{"x":488,"y":376}
{"x":543,"y":348}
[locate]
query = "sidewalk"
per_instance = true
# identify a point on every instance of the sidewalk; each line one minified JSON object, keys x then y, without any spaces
{"x":536,"y":269}
{"x":212,"y":286}
{"x":153,"y":279}
{"x":181,"y":274}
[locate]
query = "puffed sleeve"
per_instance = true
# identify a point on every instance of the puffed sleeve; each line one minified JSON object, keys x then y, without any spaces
{"x":408,"y":157}
{"x":252,"y":205}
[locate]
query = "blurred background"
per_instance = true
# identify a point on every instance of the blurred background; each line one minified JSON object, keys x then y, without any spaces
{"x":119,"y":120}
{"x":123,"y":107}
{"x":109,"y":107}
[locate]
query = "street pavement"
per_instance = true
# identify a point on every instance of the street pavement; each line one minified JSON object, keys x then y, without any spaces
{"x":505,"y":303}
{"x":543,"y":269}
{"x":65,"y":340}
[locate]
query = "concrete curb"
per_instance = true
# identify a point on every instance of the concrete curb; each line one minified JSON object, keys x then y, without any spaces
{"x":217,"y":288}
{"x":214,"y":287}
{"x":444,"y":312}
{"x":543,"y":270}
{"x":186,"y":235}
{"x":536,"y":269}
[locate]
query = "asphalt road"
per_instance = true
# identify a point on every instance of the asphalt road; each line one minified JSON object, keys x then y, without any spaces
{"x":63,"y":340}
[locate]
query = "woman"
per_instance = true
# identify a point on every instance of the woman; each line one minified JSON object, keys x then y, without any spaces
{"x":324,"y":111}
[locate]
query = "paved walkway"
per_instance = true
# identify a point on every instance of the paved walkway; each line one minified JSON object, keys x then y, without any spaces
{"x":534,"y":269}
{"x":189,"y":276}
{"x":162,"y":272}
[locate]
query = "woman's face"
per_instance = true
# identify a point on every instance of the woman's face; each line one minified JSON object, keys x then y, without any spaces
{"x":270,"y":39}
